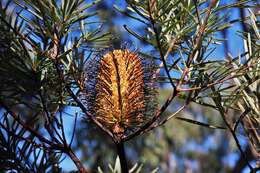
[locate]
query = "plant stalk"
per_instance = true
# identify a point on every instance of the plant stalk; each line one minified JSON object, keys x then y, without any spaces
{"x":76,"y":161}
{"x":122,"y":157}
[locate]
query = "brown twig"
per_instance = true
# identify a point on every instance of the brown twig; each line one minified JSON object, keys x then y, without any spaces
{"x":152,"y":120}
{"x":170,"y":117}
{"x":57,"y":146}
{"x":76,"y":161}
{"x":198,"y":41}
{"x":157,"y":37}
{"x":79,"y":103}
{"x":163,"y":58}
{"x":197,"y":11}
{"x":18,"y":33}
{"x":206,"y":86}
{"x":35,"y":144}
{"x":48,"y":121}
{"x":223,"y":114}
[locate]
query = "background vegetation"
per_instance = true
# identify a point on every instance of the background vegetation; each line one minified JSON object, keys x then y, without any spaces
{"x":207,"y":55}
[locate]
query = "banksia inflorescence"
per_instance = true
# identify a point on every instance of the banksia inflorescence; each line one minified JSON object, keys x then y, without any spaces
{"x":120,"y":91}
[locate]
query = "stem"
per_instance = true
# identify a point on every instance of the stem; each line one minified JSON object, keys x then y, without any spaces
{"x":122,"y":157}
{"x":222,"y":112}
{"x":76,"y":161}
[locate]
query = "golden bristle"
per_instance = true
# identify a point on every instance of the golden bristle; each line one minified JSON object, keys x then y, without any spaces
{"x":120,"y":99}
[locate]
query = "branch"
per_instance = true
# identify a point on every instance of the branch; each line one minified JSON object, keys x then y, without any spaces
{"x":162,"y":56}
{"x":152,"y":120}
{"x":11,"y":133}
{"x":241,"y":163}
{"x":223,"y":113}
{"x":64,"y":148}
{"x":168,"y":118}
{"x":48,"y":120}
{"x":198,"y":41}
{"x":76,"y":160}
{"x":78,"y":102}
{"x":202,"y":28}
{"x":241,"y":117}
{"x":57,"y":146}
{"x":18,"y":33}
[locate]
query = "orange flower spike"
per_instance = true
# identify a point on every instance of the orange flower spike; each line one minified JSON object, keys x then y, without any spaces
{"x":120,"y":91}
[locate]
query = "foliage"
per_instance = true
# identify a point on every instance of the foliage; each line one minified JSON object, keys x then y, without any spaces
{"x":117,"y":168}
{"x":46,"y":51}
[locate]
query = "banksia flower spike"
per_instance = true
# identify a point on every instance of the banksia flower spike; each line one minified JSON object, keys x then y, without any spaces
{"x":120,"y":91}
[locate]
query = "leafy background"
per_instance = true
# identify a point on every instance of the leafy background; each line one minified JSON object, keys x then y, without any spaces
{"x":177,"y":146}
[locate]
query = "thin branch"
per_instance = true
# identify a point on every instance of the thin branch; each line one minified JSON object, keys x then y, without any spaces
{"x":202,"y":28}
{"x":163,"y":57}
{"x":165,"y":120}
{"x":57,"y":146}
{"x":197,"y":11}
{"x":62,"y":128}
{"x":241,"y":117}
{"x":172,"y":44}
{"x":11,"y":133}
{"x":152,"y":120}
{"x":198,"y":41}
{"x":48,"y":119}
{"x":206,"y":86}
{"x":222,"y":111}
{"x":76,"y":161}
{"x":18,"y":33}
{"x":54,"y":54}
{"x":79,"y":103}
{"x":157,"y":37}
